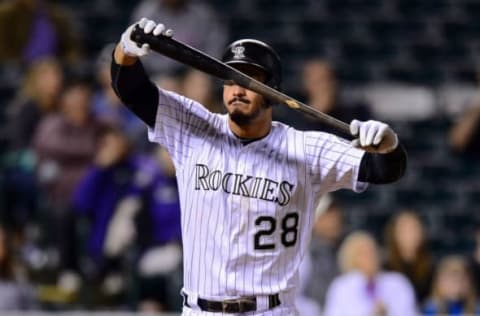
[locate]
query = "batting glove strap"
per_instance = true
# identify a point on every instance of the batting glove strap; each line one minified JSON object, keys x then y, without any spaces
{"x":133,"y":49}
{"x":373,"y":136}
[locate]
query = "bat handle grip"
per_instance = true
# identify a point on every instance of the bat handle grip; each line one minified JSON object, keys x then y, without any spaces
{"x":139,"y":36}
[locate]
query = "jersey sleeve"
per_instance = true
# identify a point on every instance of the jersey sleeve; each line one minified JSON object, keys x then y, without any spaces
{"x":179,"y":124}
{"x":332,"y":163}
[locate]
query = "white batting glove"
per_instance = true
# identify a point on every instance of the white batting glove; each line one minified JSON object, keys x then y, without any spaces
{"x":131,"y":48}
{"x":373,"y":136}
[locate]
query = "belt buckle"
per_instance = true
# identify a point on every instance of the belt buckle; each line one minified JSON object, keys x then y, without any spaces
{"x":247,"y":304}
{"x":231,"y":306}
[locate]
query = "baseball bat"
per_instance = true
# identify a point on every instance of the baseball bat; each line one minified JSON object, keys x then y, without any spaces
{"x":197,"y":59}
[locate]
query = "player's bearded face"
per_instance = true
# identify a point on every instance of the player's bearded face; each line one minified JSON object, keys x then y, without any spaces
{"x":243,"y":105}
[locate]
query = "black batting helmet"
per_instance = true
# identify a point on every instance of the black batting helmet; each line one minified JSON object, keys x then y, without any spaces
{"x":255,"y":53}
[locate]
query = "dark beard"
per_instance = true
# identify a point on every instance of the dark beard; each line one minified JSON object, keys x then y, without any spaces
{"x":242,"y":119}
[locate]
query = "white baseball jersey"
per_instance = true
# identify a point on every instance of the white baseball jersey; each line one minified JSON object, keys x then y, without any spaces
{"x":247,"y":210}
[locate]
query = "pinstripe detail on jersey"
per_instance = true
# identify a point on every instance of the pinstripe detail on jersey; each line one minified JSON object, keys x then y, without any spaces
{"x":247,"y":238}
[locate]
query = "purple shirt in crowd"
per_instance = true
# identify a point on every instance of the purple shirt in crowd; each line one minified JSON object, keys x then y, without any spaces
{"x":43,"y":38}
{"x":101,"y":190}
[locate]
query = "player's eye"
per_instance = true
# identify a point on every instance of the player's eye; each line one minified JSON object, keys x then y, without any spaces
{"x":228,"y":82}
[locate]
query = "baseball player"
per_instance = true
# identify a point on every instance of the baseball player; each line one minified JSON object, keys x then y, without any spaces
{"x":248,"y":185}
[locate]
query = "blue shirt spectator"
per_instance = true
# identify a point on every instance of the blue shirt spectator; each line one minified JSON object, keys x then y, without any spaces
{"x":455,"y":308}
{"x":453,"y":293}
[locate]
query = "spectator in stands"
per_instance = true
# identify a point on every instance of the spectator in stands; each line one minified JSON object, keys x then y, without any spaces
{"x":159,"y":266}
{"x":452,"y":292}
{"x":364,"y":289}
{"x":464,"y":135}
{"x":37,"y":97}
{"x":327,"y":234}
{"x":108,"y":189}
{"x":195,"y":23}
{"x":126,"y":197}
{"x":474,"y":259}
{"x":15,"y":292}
{"x":32,"y":29}
{"x":198,"y":86}
{"x":65,"y":144}
{"x":322,"y":92}
{"x":108,"y":108}
{"x":406,"y":252}
{"x":173,"y":82}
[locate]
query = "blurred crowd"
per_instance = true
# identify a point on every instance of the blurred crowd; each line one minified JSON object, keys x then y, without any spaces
{"x":89,"y":209}
{"x":399,"y":276}
{"x":89,"y":212}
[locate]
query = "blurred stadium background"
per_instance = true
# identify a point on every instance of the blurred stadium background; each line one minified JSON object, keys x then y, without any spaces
{"x":413,"y":62}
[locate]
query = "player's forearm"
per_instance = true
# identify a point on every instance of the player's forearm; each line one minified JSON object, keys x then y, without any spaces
{"x":383,"y":168}
{"x":132,"y":85}
{"x":121,"y":58}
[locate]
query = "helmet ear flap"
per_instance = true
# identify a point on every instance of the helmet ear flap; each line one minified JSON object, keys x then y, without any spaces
{"x":255,"y":53}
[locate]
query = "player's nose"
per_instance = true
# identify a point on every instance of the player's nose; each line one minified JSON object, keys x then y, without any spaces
{"x":238,"y":90}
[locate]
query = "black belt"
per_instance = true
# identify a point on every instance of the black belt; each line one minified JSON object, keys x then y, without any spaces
{"x":240,"y":305}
